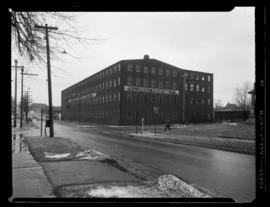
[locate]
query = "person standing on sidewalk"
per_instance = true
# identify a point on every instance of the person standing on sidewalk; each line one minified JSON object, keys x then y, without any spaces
{"x":167,"y":125}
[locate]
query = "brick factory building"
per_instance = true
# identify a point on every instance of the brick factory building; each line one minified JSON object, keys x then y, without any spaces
{"x":130,"y":89}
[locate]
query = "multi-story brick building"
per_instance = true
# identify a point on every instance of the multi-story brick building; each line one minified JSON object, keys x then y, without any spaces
{"x":130,"y":89}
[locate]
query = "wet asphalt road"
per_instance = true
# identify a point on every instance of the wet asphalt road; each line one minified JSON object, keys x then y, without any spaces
{"x":226,"y":174}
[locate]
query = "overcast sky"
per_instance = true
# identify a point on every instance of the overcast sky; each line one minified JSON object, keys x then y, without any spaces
{"x":222,"y":43}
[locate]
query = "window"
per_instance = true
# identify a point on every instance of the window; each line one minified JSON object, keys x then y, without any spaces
{"x":114,"y":69}
{"x":202,"y":78}
{"x":202,"y":89}
{"x":153,"y":70}
{"x":208,"y":89}
{"x":110,"y":83}
{"x":114,"y":83}
{"x":107,"y":72}
{"x":129,"y":116}
{"x":209,"y":101}
{"x":153,"y":98}
{"x":174,"y":85}
{"x":107,"y":85}
{"x":119,"y":67}
{"x":168,"y":72}
{"x":191,"y":87}
{"x":160,"y":71}
{"x":138,"y":68}
{"x":160,"y":84}
{"x":129,"y":67}
{"x":138,"y":97}
{"x":129,"y":97}
{"x":168,"y":84}
{"x":186,"y":87}
{"x":197,"y":102}
{"x":129,"y":81}
{"x":191,"y":100}
{"x":118,"y":94}
{"x":114,"y":97}
{"x":153,"y":83}
{"x":209,"y":78}
{"x":119,"y":81}
{"x":138,"y":82}
{"x":146,"y":82}
{"x":145,"y":69}
{"x":197,"y":87}
{"x":174,"y":73}
{"x":202,"y":101}
{"x":191,"y":76}
{"x":197,"y":77}
{"x":110,"y":98}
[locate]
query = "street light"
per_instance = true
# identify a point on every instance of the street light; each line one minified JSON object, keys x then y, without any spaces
{"x":184,"y":83}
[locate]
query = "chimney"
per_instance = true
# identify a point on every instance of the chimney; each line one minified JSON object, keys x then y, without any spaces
{"x":146,"y":57}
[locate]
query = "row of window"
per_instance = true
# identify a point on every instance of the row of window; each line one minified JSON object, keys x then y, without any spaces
{"x":198,"y":101}
{"x":161,"y":99}
{"x":89,"y":99}
{"x":191,"y":88}
{"x":197,"y":77}
{"x":101,"y":86}
{"x":160,"y":71}
{"x":153,"y":70}
{"x":151,"y":98}
{"x":151,"y":83}
{"x":98,"y":76}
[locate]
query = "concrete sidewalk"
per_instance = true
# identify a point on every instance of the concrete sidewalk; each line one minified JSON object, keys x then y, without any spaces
{"x":28,"y":177}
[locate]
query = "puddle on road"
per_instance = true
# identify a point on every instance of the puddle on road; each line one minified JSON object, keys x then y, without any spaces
{"x":18,"y":144}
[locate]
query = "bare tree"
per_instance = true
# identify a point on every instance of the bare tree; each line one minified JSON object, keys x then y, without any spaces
{"x":30,"y":43}
{"x":241,"y":96}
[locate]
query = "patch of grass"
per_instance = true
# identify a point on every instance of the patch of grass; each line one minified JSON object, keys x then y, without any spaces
{"x":239,"y":131}
{"x":38,"y":147}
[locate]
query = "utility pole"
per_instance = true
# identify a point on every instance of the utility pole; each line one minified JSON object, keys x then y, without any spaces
{"x":22,"y":73}
{"x":15,"y":90}
{"x":15,"y":105}
{"x":26,"y":105}
{"x":46,"y":28}
{"x":184,"y":101}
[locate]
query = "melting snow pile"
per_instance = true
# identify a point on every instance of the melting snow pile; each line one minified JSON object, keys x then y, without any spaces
{"x":91,"y":155}
{"x":164,"y":186}
{"x":56,"y":156}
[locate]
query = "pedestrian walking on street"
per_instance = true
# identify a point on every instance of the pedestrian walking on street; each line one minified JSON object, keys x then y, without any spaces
{"x":167,"y":125}
{"x":47,"y":124}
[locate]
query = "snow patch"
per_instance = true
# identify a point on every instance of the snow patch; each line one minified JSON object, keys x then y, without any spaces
{"x":164,"y":186}
{"x":91,"y":155}
{"x":56,"y":156}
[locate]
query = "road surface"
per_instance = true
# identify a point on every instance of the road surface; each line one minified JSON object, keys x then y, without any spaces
{"x":226,"y":174}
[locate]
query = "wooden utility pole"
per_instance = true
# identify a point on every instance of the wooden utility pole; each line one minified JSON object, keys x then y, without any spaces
{"x":15,"y":90}
{"x":22,"y":73}
{"x":15,"y":105}
{"x":41,"y":120}
{"x":184,"y":101}
{"x":46,"y":28}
